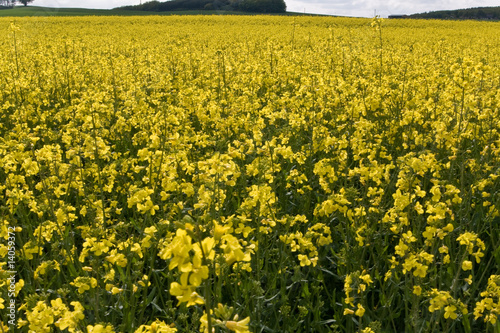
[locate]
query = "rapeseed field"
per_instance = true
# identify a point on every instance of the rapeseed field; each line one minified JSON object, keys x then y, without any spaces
{"x":249,"y":174}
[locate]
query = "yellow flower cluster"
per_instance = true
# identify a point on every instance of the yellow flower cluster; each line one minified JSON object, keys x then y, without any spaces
{"x":156,"y":327}
{"x":191,"y":266}
{"x":443,"y":300}
{"x":316,"y":236}
{"x":355,"y":286}
{"x":222,"y":319}
{"x":42,"y":316}
{"x":489,"y":306}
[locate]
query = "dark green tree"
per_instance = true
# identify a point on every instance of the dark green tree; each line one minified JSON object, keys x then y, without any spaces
{"x":263,"y":6}
{"x":25,"y":2}
{"x":256,"y":6}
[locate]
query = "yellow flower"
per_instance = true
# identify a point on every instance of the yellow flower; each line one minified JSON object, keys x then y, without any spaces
{"x":84,"y":283}
{"x":150,"y":231}
{"x":449,"y":312}
{"x":446,"y":259}
{"x":185,"y":293}
{"x":478,"y":255}
{"x":439,"y":300}
{"x":97,"y":247}
{"x":420,"y":270}
{"x":136,"y":247}
{"x":13,"y":27}
{"x":44,"y":267}
{"x":408,"y":237}
{"x":179,"y":249}
{"x":467,"y":265}
{"x":40,"y":318}
{"x":117,"y":258}
{"x":348,"y":312}
{"x":70,"y":319}
{"x":18,"y":286}
{"x":238,"y":326}
{"x":366,"y":278}
{"x":116,"y":290}
{"x":304,"y":260}
{"x":99,"y":328}
{"x":360,"y":311}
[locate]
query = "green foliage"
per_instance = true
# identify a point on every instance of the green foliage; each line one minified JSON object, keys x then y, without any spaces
{"x":480,"y":13}
{"x":177,"y":5}
{"x":255,"y":6}
{"x":25,"y":2}
{"x":263,"y":6}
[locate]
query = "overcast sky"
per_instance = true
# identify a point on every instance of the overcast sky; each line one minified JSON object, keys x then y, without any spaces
{"x":365,"y":8}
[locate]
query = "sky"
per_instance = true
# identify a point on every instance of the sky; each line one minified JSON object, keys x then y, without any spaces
{"x":359,"y":8}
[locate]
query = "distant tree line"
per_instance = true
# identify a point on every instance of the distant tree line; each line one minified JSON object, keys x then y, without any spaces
{"x":256,"y":6}
{"x":10,"y":3}
{"x":480,"y":13}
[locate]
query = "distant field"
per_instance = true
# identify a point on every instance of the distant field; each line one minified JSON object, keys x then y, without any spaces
{"x":47,"y":11}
